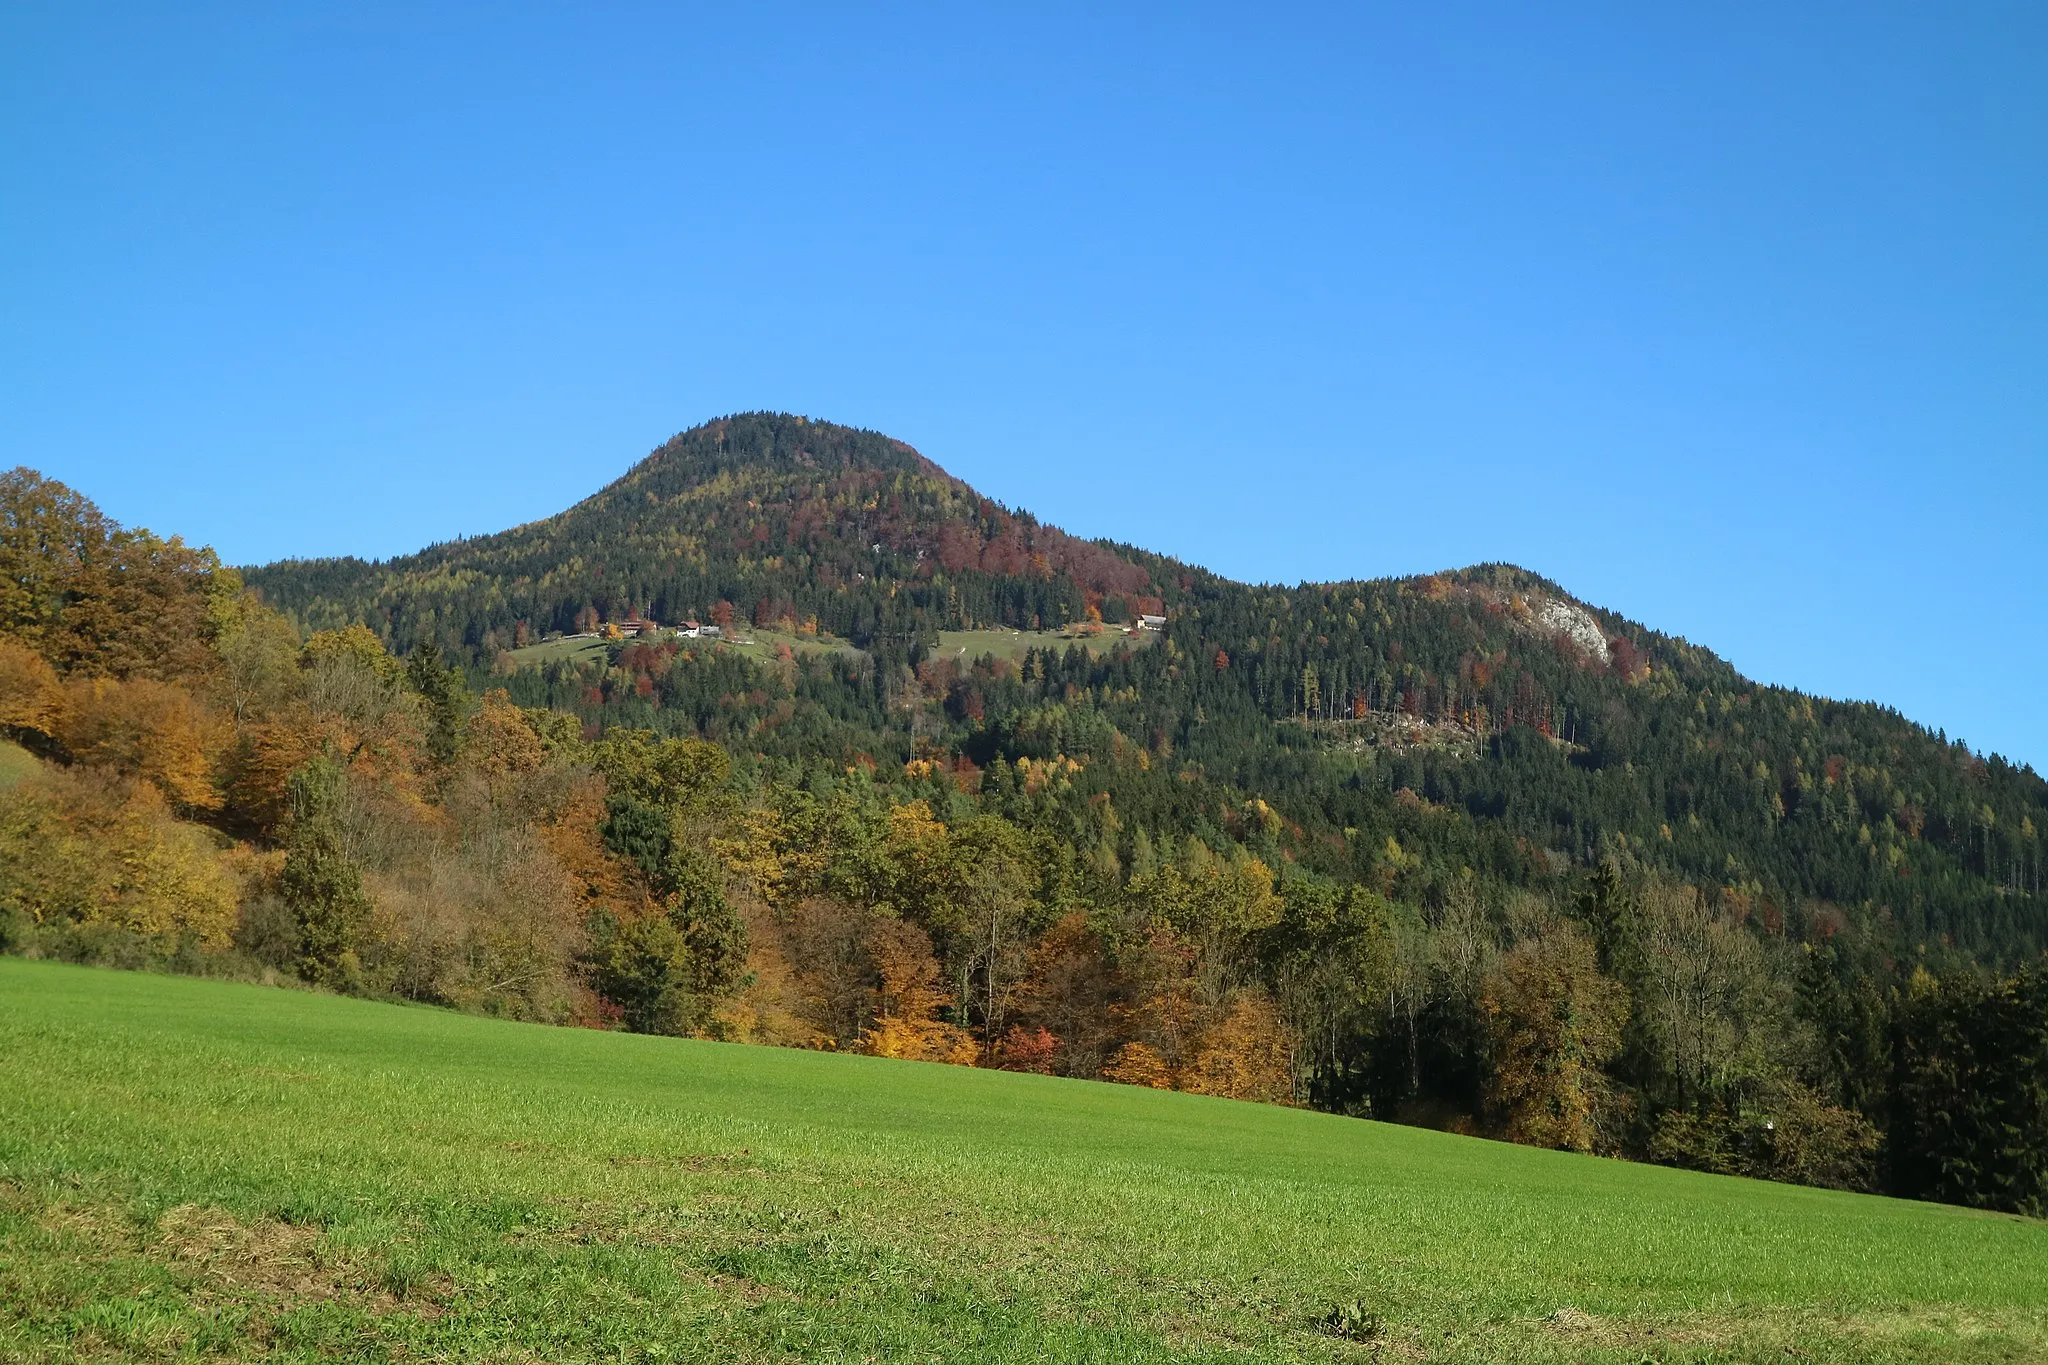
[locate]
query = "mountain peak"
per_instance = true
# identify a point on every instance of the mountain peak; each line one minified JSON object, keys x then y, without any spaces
{"x":771,"y":443}
{"x":797,"y":517}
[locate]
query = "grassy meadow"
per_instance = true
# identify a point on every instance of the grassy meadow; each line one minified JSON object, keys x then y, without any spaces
{"x":762,"y":642}
{"x":754,"y":641}
{"x":1013,"y":645}
{"x":581,"y":649}
{"x":200,"y":1169}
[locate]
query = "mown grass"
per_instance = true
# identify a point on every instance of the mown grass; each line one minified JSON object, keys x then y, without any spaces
{"x":577,"y":649}
{"x":1013,"y":645}
{"x":194,"y":1169}
{"x":762,"y":642}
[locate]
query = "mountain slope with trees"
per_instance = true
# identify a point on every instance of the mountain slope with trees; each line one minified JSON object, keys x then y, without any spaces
{"x":1553,"y":727}
{"x":1456,"y":850}
{"x":781,"y":517}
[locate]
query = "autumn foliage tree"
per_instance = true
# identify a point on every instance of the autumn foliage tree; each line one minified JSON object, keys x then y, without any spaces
{"x":96,"y":599}
{"x":30,"y":696}
{"x":156,"y":732}
{"x":1555,"y":1021}
{"x":909,"y":1000}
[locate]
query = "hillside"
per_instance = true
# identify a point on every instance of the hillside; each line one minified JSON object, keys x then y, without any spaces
{"x":786,"y":518}
{"x":1460,"y":851}
{"x":191,"y":1168}
{"x":1594,"y":736}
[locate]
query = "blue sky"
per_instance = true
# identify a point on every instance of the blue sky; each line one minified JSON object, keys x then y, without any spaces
{"x":1733,"y":318}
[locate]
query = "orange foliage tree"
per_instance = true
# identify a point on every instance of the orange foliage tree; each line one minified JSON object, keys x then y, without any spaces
{"x":144,"y":729}
{"x":29,"y":695}
{"x":1245,"y":1055}
{"x":908,"y":999}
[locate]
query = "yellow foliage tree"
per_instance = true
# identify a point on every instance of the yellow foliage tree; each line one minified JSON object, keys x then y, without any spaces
{"x":29,"y":695}
{"x":919,"y":852}
{"x":1138,"y":1064}
{"x":1554,"y":1019}
{"x":1245,"y":1055}
{"x":501,"y":743}
{"x":157,"y":732}
{"x":765,"y":1010}
{"x":79,"y":847}
{"x":259,"y":651}
{"x":356,"y":644}
{"x":756,"y":848}
{"x":908,"y":999}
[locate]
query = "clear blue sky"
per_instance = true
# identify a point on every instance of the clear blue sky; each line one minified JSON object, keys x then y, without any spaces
{"x":1733,"y":318}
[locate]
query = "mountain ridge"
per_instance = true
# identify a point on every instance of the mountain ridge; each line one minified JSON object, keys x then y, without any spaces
{"x":788,"y":451}
{"x":798,"y":472}
{"x":1488,"y":690}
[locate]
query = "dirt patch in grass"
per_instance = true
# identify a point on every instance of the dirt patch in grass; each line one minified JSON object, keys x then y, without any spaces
{"x":93,"y":1276}
{"x":750,"y":1291}
{"x":698,"y":1163}
{"x":2019,"y":1335}
{"x":267,"y":1259}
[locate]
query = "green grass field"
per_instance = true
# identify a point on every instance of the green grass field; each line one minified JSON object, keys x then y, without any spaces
{"x":1013,"y":645}
{"x":579,"y":650}
{"x":196,"y":1169}
{"x":761,"y":642}
{"x":756,"y":642}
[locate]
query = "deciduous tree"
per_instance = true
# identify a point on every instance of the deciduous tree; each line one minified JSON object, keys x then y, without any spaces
{"x":1555,"y":1021}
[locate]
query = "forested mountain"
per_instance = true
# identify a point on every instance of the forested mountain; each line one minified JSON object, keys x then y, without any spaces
{"x":786,"y":517}
{"x":1456,"y":849}
{"x":1483,"y":720}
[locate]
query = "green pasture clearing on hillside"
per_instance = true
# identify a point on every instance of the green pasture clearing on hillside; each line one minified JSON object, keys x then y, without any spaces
{"x":752,"y":641}
{"x":761,"y":642}
{"x":193,"y":1168}
{"x":582,"y":649}
{"x":969,"y":645}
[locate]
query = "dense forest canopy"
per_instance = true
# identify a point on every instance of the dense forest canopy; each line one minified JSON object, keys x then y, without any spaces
{"x":1456,"y":849}
{"x":1545,"y":729}
{"x":784,"y":517}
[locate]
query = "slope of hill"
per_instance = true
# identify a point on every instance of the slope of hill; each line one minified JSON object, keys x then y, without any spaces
{"x":1458,"y":850}
{"x":1595,"y":736}
{"x":784,"y":517}
{"x":189,"y":1168}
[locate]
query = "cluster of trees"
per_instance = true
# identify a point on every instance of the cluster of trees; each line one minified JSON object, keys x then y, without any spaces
{"x":313,"y":807}
{"x":1424,"y":964}
{"x":1596,"y":892}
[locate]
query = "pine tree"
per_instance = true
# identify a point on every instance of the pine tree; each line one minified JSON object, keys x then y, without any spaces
{"x":447,"y":701}
{"x":321,"y":885}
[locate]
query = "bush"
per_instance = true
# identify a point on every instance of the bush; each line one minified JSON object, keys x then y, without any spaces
{"x":1791,"y":1134}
